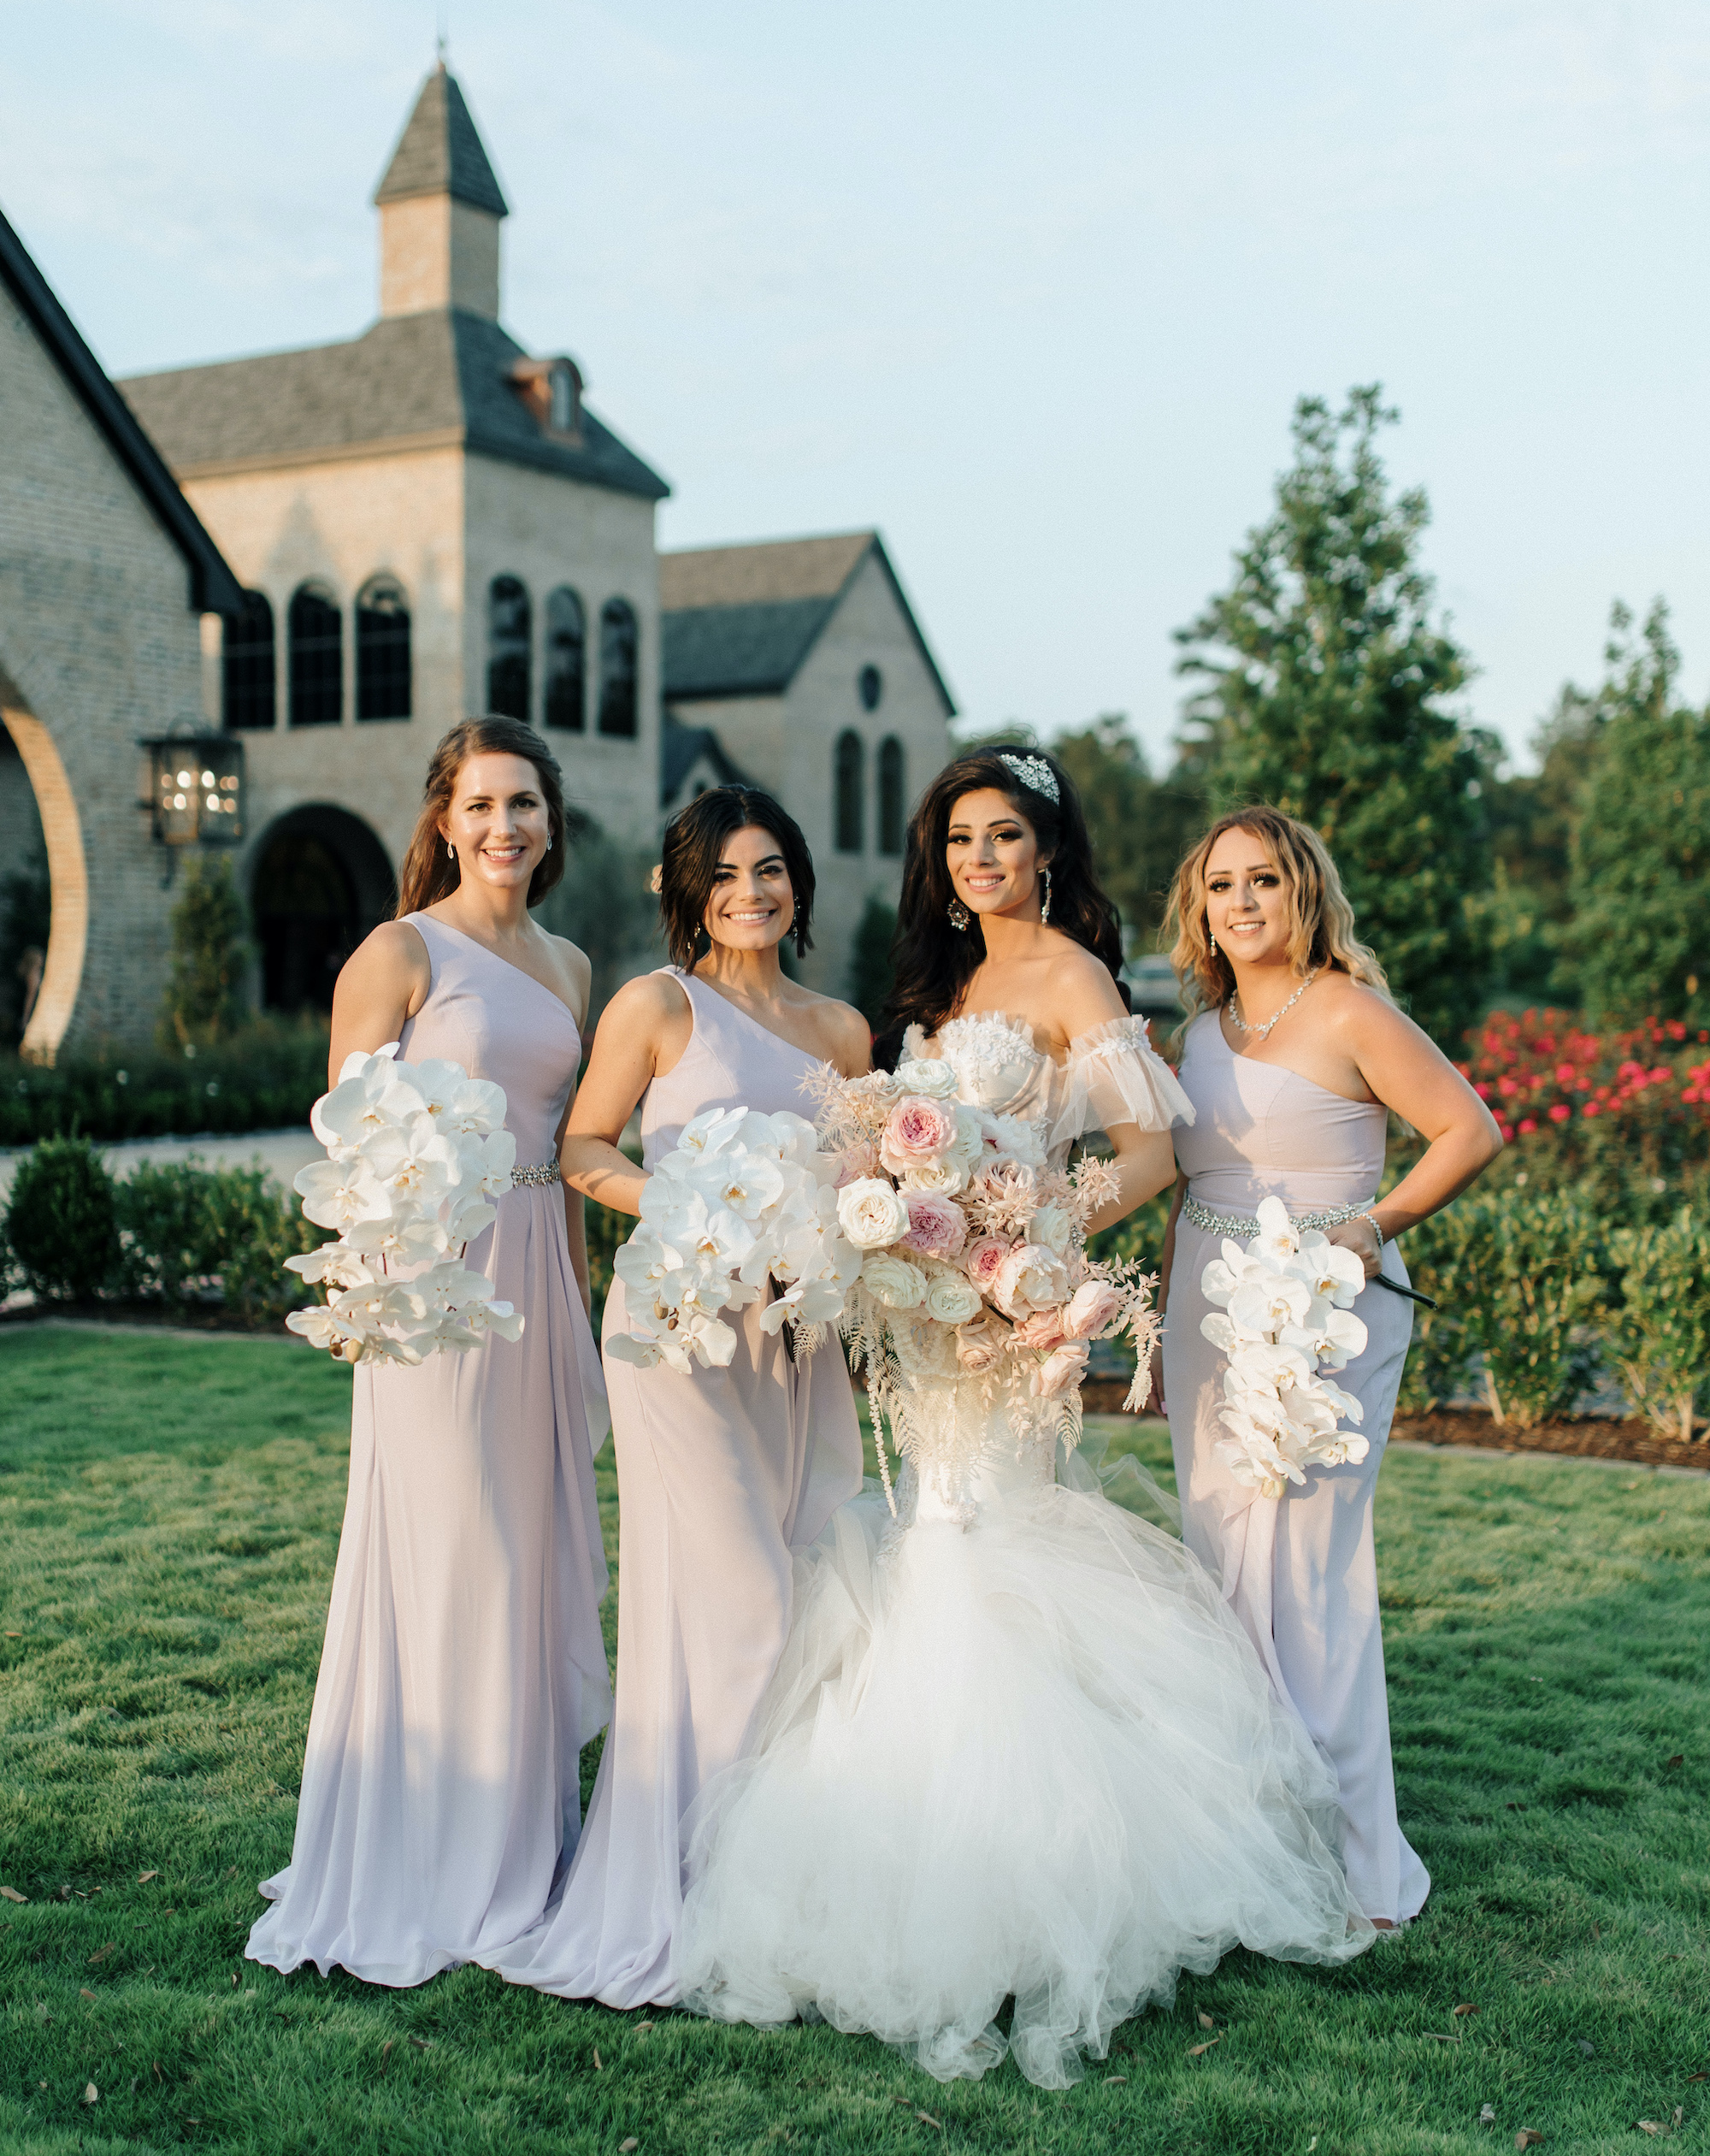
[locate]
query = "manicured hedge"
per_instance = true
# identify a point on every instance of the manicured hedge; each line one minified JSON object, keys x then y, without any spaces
{"x":261,"y":1079}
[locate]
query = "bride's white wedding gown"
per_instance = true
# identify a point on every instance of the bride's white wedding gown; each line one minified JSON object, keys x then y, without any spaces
{"x":1017,"y":1745}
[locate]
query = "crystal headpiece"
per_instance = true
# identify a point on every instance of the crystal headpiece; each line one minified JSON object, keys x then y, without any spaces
{"x":1035,"y":774}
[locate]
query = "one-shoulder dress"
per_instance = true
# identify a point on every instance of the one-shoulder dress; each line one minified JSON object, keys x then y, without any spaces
{"x":1017,"y":1745}
{"x":1300,"y":1571}
{"x":463,"y":1668}
{"x":723,"y":1476}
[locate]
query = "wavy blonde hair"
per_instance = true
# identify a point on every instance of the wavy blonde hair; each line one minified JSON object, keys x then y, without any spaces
{"x":1320,"y":919}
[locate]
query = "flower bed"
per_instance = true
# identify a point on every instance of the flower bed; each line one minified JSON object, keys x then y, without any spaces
{"x":1588,"y":1436}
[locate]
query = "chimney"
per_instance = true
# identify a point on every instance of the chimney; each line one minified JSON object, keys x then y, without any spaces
{"x":440,"y":210}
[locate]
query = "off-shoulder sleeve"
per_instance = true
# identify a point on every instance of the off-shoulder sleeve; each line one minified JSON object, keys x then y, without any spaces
{"x":1115,"y":1075}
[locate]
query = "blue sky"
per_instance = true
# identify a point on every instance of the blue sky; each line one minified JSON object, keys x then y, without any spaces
{"x":1033,"y":290}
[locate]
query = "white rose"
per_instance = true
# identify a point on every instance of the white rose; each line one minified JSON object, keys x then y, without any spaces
{"x":929,"y":1075}
{"x":894,"y":1281}
{"x":870,"y":1212}
{"x":952,"y":1298}
{"x":944,"y":1178}
{"x":1053,"y":1225}
{"x":1031,"y":1277}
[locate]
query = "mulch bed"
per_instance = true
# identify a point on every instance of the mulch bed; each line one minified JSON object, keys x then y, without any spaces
{"x":1592,"y":1437}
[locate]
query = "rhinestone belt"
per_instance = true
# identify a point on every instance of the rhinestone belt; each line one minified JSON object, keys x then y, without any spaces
{"x":549,"y":1173}
{"x":1236,"y":1223}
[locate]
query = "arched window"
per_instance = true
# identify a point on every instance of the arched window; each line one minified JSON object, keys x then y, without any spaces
{"x":382,"y":650}
{"x":849,"y":808}
{"x":871,"y":684}
{"x":317,"y":657}
{"x":509,"y":638}
{"x":251,"y":674}
{"x":617,"y":645}
{"x":892,"y":795}
{"x":566,"y":661}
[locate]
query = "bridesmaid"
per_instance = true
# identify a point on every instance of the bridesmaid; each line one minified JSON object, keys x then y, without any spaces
{"x":463,"y":1668}
{"x":722,"y":1476}
{"x":1294,"y":1056}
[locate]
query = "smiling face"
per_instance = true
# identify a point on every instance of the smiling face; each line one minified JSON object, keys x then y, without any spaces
{"x":498,"y":821}
{"x":753,"y":902}
{"x":1246,"y":903}
{"x":993,"y":854}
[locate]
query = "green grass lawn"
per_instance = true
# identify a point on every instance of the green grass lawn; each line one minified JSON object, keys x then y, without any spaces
{"x":168,"y":1515}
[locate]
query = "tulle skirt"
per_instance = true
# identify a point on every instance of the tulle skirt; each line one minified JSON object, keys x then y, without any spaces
{"x":1035,"y":1757}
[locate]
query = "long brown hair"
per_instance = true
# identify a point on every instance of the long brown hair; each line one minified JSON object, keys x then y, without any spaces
{"x":429,"y":871}
{"x":1320,"y":919}
{"x":694,"y":839}
{"x":935,"y":961}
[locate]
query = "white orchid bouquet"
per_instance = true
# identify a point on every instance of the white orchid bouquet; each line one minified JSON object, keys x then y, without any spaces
{"x":742,"y":1209}
{"x":415,"y":1152}
{"x":1284,"y":1318}
{"x":973,"y":1260}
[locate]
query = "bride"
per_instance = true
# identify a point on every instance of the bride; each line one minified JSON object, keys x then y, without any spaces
{"x":1016,"y":1747}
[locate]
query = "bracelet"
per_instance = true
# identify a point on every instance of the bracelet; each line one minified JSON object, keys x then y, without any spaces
{"x":1377,"y":1231}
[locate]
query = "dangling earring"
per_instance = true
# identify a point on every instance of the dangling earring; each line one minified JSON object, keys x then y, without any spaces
{"x":959,"y":915}
{"x":1213,"y":941}
{"x":1045,"y":903}
{"x":451,"y":849}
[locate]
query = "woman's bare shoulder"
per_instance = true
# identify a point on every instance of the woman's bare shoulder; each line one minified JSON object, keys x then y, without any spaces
{"x":575,"y":969}
{"x":1083,"y":993}
{"x":845,"y":1032}
{"x":648,"y":1000}
{"x":395,"y":949}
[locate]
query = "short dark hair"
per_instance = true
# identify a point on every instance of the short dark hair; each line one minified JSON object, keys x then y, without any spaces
{"x":694,"y":841}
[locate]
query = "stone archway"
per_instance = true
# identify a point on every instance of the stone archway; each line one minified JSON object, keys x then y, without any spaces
{"x":320,"y":882}
{"x":68,"y":927}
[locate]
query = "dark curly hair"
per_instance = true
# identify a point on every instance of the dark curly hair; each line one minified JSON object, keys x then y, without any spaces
{"x":933,"y":961}
{"x":694,"y":839}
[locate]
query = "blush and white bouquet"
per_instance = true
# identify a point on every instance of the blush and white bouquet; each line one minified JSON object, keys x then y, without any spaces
{"x":1284,"y":1319}
{"x":414,"y":1151}
{"x":742,"y":1208}
{"x":973,"y":1260}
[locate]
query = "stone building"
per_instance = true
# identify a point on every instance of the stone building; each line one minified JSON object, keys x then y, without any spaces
{"x":104,"y":571}
{"x":424,"y":522}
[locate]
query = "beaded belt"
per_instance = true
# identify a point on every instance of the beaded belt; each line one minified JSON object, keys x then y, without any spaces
{"x":1237,"y":1224}
{"x":549,"y":1173}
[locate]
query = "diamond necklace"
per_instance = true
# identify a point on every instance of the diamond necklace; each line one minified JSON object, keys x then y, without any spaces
{"x":1260,"y":1032}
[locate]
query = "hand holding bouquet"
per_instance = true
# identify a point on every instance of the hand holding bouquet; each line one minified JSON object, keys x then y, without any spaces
{"x":1284,"y":1318}
{"x":414,"y":1152}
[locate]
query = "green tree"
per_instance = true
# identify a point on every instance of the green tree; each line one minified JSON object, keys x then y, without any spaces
{"x":1323,"y":686}
{"x":871,"y":971}
{"x":205,"y":997}
{"x":1141,"y":826}
{"x":1640,"y":875}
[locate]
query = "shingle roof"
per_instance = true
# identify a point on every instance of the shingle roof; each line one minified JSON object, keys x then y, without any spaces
{"x":738,"y":621}
{"x":443,"y":374}
{"x":440,"y":152}
{"x":680,"y":747}
{"x":213,"y":587}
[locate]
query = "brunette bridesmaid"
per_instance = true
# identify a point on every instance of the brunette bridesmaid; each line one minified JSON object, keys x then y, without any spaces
{"x":463,"y":1668}
{"x":723,"y":1474}
{"x":1293,"y":1054}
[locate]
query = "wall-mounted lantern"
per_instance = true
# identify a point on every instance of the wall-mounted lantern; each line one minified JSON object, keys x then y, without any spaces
{"x":196,"y":789}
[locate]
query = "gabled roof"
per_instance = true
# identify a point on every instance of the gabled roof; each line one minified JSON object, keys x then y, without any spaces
{"x":740,"y":621}
{"x":440,"y":152}
{"x":414,"y":380}
{"x":213,"y":587}
{"x":682,"y":747}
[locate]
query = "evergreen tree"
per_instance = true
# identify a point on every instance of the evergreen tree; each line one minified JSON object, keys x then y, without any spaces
{"x":204,"y":995}
{"x":1324,"y":686}
{"x":1640,"y":881}
{"x":1139,"y":826}
{"x":871,"y":971}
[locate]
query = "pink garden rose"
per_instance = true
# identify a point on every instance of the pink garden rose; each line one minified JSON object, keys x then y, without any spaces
{"x":1090,"y":1310}
{"x":856,"y":1161}
{"x":981,"y":1258}
{"x":1061,"y":1370}
{"x":918,"y":1131}
{"x":979,"y":1345}
{"x":937,"y":1227}
{"x":1041,"y":1329}
{"x":1031,"y":1277}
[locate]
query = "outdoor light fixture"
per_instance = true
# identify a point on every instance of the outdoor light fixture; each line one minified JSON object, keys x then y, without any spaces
{"x":196,"y":789}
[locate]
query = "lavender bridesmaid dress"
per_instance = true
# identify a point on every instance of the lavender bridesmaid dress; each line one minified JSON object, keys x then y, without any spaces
{"x":463,"y":1668}
{"x":722,"y":1476}
{"x":1299,"y":1571}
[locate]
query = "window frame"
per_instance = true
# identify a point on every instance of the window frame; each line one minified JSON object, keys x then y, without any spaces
{"x":328,"y":644}
{"x":374,"y":681}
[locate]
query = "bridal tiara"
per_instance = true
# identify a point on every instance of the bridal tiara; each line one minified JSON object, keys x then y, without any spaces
{"x":1036,"y":775}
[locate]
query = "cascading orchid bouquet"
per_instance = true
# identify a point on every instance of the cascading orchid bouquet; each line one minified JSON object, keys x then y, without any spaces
{"x":1284,"y":1317}
{"x":973,"y":1258}
{"x":414,"y":1152}
{"x":742,"y":1205}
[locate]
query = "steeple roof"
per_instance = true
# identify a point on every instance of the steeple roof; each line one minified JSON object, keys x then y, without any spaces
{"x":440,"y":152}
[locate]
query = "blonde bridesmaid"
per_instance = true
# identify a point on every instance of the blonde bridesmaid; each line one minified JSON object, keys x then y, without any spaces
{"x":1293,"y":1057}
{"x":723,"y":1475}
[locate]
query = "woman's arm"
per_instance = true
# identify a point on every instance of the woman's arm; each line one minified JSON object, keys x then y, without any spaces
{"x":1145,"y":1161}
{"x":386,"y":980}
{"x":1166,"y":1263}
{"x":645,"y":1029}
{"x":1410,"y":1074}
